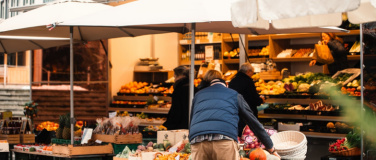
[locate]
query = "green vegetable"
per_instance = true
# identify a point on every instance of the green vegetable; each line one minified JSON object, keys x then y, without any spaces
{"x":353,"y":140}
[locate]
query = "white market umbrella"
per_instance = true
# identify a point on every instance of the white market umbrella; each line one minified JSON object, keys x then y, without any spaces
{"x":11,"y":44}
{"x":34,"y":22}
{"x":290,"y":14}
{"x":178,"y":15}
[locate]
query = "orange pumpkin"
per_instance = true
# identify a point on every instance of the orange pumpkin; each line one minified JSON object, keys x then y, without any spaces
{"x":257,"y":154}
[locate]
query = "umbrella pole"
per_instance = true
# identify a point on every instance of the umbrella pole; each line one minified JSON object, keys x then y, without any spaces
{"x":72,"y":121}
{"x":361,"y":92}
{"x":192,"y":71}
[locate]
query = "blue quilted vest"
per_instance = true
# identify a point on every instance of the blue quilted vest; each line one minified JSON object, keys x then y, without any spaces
{"x":215,"y":111}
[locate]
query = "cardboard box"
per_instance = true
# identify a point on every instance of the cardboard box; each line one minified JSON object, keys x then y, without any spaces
{"x":181,"y":135}
{"x":4,"y":147}
{"x":82,"y":150}
{"x":166,"y":135}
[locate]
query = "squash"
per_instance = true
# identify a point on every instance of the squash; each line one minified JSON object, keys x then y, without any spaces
{"x":257,"y":154}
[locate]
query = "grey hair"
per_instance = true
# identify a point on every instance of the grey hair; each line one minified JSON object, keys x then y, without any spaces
{"x":245,"y":67}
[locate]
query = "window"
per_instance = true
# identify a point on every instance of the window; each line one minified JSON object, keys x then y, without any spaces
{"x":15,"y":59}
{"x":21,"y":58}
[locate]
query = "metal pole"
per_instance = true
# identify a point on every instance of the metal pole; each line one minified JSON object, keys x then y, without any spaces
{"x":243,"y":46}
{"x":71,"y":86}
{"x":31,"y":74}
{"x":192,"y":71}
{"x":361,"y":91}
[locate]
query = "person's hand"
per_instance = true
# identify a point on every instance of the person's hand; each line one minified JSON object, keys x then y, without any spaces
{"x":312,"y":63}
{"x":263,"y":99}
{"x":274,"y":152}
{"x":325,"y":42}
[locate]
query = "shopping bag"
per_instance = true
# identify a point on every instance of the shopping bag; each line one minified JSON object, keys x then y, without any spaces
{"x":323,"y":54}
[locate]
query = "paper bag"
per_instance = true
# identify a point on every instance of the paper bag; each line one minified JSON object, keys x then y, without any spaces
{"x":323,"y":54}
{"x":204,"y":68}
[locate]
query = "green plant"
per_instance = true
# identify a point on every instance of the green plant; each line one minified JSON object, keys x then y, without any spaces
{"x":30,"y":109}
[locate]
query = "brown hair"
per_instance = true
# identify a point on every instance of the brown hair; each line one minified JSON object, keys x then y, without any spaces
{"x":332,"y":37}
{"x":212,"y":74}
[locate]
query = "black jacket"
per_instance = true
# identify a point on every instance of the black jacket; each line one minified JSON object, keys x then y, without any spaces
{"x":177,"y":117}
{"x":339,"y":54}
{"x":245,"y":86}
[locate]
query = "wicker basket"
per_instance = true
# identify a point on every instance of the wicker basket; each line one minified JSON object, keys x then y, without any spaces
{"x":288,"y":141}
{"x":349,"y":152}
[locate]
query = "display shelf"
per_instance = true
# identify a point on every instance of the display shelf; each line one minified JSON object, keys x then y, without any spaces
{"x":59,"y":155}
{"x":325,"y":118}
{"x":250,"y":38}
{"x":295,"y":35}
{"x":306,"y":59}
{"x":324,"y":135}
{"x":302,"y":117}
{"x":197,"y":62}
{"x":357,"y":57}
{"x":151,"y":123}
{"x":295,"y":101}
{"x":350,"y":33}
{"x":201,"y":41}
{"x":283,"y":116}
{"x":154,"y":111}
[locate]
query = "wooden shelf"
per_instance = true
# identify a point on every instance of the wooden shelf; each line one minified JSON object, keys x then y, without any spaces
{"x":160,"y":71}
{"x":296,"y":101}
{"x":326,"y":118}
{"x":188,"y":42}
{"x":307,"y":59}
{"x":154,"y":111}
{"x":151,"y":123}
{"x":231,"y":61}
{"x":295,"y":35}
{"x":283,"y":116}
{"x":357,"y":57}
{"x":197,"y":62}
{"x":324,"y":135}
{"x":250,"y":38}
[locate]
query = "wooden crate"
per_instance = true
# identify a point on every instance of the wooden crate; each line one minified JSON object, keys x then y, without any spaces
{"x":119,"y":139}
{"x":82,"y":150}
{"x":12,"y":138}
{"x":27,"y":138}
{"x":271,"y":75}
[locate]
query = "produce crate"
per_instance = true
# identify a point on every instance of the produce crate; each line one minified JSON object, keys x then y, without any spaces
{"x":12,"y":138}
{"x":119,"y":139}
{"x":82,"y":150}
{"x":27,"y":138}
{"x":145,"y":141}
{"x":120,"y":147}
{"x":117,"y":158}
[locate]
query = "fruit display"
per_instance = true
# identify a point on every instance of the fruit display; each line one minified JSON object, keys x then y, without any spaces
{"x":270,"y":88}
{"x":196,"y":82}
{"x":355,"y":47}
{"x":154,"y":128}
{"x":49,"y":126}
{"x":250,"y":140}
{"x":352,"y":141}
{"x":67,"y":127}
{"x":132,"y":87}
{"x":34,"y":148}
{"x":287,"y":53}
{"x":319,"y":106}
{"x":339,"y":127}
{"x":265,"y":51}
{"x":231,"y":54}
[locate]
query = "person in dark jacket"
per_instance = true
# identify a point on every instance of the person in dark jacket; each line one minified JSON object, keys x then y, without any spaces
{"x":244,"y":85}
{"x":338,"y":51}
{"x":177,"y":117}
{"x":216,"y":111}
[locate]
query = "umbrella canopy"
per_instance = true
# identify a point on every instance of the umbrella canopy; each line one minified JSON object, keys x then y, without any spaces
{"x":10,"y":44}
{"x":301,"y":13}
{"x":175,"y":16}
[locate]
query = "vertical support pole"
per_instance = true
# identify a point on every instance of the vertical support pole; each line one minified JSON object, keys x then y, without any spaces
{"x":243,"y":46}
{"x":71,"y":86}
{"x":192,"y":71}
{"x":31,"y":73}
{"x":5,"y":68}
{"x":362,"y":93}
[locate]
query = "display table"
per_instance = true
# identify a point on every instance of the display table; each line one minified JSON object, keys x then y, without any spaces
{"x":22,"y":155}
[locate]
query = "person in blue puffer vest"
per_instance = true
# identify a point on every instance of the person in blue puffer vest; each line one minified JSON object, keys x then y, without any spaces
{"x":216,"y":111}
